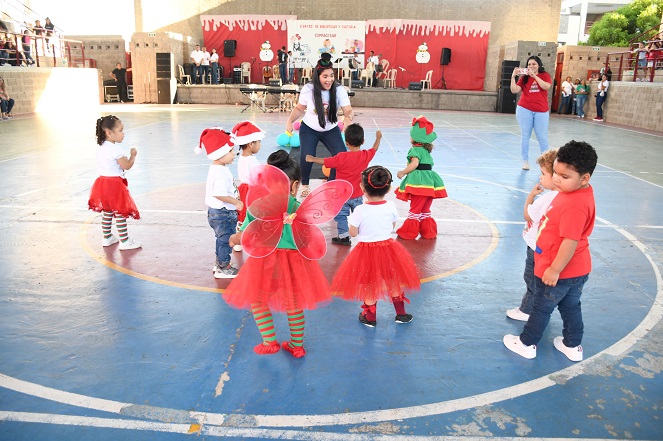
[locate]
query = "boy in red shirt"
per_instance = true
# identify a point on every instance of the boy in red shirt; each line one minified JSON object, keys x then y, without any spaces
{"x":562,"y":261}
{"x":349,"y":166}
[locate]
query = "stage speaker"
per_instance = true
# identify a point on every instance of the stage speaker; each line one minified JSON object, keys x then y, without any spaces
{"x":227,"y":80}
{"x":446,"y":56}
{"x":507,"y":69}
{"x":414,"y":86}
{"x":274,"y":83}
{"x":164,"y":65}
{"x":506,"y":101}
{"x":229,"y":47}
{"x":237,"y":75}
{"x":357,"y":84}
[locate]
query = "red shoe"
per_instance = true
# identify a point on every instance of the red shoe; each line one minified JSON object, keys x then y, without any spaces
{"x":263,"y":349}
{"x":428,"y":228}
{"x":296,"y":351}
{"x":409,"y":230}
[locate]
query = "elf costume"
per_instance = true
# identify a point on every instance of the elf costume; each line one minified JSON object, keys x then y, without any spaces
{"x":421,"y":185}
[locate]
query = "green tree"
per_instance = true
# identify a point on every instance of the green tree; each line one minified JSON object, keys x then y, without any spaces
{"x":618,"y":27}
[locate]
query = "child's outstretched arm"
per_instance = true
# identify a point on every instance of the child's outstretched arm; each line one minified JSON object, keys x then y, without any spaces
{"x":127,"y":163}
{"x":378,"y":137}
{"x":414,"y":163}
{"x":311,"y":158}
{"x":538,"y":189}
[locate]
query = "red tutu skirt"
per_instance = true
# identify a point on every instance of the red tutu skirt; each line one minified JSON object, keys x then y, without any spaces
{"x":376,"y":271}
{"x":285,"y":280}
{"x":111,"y":193}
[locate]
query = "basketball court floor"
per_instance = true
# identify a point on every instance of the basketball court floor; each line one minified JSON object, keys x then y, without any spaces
{"x":102,"y":344}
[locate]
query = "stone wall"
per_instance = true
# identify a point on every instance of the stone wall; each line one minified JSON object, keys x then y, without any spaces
{"x":638,"y":105}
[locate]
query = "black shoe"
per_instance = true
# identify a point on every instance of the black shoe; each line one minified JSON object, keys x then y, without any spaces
{"x":370,"y":324}
{"x":344,"y":241}
{"x":404,"y":318}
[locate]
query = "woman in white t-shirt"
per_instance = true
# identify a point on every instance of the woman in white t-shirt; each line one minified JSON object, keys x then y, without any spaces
{"x":319,"y":102}
{"x":601,"y":96}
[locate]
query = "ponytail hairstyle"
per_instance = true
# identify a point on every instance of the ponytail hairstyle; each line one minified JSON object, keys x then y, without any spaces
{"x":282,"y":160}
{"x":538,"y":61}
{"x":376,"y":180}
{"x":324,"y":63}
{"x":104,"y":123}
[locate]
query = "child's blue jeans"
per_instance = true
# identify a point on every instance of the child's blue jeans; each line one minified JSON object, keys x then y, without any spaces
{"x":342,"y":216}
{"x":224,"y":224}
{"x":566,"y":297}
{"x":530,"y":283}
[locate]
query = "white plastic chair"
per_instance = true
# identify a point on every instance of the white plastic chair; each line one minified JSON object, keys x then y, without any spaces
{"x":246,"y":72}
{"x":427,"y":80}
{"x":346,"y":76}
{"x":390,"y":80}
{"x":366,"y":74}
{"x":184,"y":79}
{"x":307,"y":72}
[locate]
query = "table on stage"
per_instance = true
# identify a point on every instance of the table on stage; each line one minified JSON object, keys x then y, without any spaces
{"x":257,"y":96}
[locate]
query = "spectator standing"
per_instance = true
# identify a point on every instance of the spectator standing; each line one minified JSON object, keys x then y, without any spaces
{"x":375,"y":59}
{"x":214,"y":64}
{"x":291,"y":68}
{"x":567,"y":91}
{"x":582,"y":91}
{"x":49,"y":29}
{"x":26,"y":41}
{"x":119,"y":74}
{"x":204,"y":64}
{"x":196,"y":60}
{"x":283,"y":64}
{"x":601,"y":96}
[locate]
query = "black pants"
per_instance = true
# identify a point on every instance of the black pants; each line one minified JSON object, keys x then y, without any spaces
{"x":122,"y":91}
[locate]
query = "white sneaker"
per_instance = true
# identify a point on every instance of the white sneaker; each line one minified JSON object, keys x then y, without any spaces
{"x":237,"y":248}
{"x":525,"y":165}
{"x":573,"y":354}
{"x":517,"y":314}
{"x":513,"y":343}
{"x":227,"y":272}
{"x":109,"y":241}
{"x":130,"y":244}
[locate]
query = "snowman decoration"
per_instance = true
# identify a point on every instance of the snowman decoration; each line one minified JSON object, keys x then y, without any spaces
{"x":266,"y":53}
{"x":423,"y":56}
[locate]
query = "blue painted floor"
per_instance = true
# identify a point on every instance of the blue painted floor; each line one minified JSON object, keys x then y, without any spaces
{"x":99,"y":344}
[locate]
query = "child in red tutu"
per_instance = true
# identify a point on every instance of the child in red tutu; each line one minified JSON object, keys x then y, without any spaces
{"x":283,"y":279}
{"x":421,"y":184}
{"x":378,"y":267}
{"x":110,"y":193}
{"x":248,"y":137}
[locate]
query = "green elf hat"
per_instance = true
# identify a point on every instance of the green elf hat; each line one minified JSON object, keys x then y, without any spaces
{"x":422,"y":131}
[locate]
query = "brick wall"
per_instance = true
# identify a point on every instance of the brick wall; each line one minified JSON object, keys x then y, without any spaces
{"x":56,"y":89}
{"x":638,"y":105}
{"x":106,"y":51}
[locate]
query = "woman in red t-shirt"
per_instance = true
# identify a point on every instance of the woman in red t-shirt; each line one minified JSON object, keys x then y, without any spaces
{"x":532,"y":111}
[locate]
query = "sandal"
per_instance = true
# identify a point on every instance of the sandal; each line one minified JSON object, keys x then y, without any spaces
{"x":306,"y":190}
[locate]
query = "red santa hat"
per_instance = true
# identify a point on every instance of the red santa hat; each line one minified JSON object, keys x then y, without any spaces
{"x":246,"y":132}
{"x":216,"y":143}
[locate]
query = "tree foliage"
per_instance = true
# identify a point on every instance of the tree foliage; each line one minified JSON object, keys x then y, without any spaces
{"x":618,"y":27}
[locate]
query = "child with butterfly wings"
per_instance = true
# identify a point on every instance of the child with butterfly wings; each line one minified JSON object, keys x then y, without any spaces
{"x":283,"y":242}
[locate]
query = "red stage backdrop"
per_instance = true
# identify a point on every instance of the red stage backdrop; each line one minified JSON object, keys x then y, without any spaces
{"x":399,"y":40}
{"x":250,"y":32}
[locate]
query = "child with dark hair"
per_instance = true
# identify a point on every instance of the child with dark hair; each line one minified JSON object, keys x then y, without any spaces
{"x":421,"y":184}
{"x":562,"y":261}
{"x":349,"y":166}
{"x":378,"y":267}
{"x":220,"y":196}
{"x":282,"y":280}
{"x":533,"y":212}
{"x":110,"y":193}
{"x":248,"y":137}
